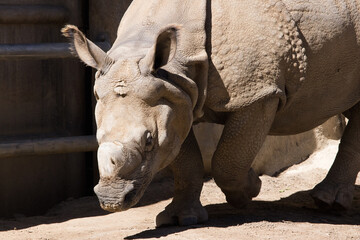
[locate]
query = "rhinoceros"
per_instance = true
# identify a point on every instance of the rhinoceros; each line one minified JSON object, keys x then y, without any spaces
{"x":257,"y":66}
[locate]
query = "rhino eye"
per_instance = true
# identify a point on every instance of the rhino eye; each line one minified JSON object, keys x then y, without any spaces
{"x":96,"y":95}
{"x":149,"y":141}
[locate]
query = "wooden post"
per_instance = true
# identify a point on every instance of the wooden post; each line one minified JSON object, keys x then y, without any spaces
{"x":49,"y":146}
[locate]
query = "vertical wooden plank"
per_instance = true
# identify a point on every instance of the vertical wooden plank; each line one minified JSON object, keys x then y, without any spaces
{"x":41,"y":98}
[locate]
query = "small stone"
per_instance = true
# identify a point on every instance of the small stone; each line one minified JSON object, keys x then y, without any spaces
{"x":292,"y":23}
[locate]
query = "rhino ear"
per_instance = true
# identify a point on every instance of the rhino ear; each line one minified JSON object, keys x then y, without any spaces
{"x":86,"y":50}
{"x":162,"y":52}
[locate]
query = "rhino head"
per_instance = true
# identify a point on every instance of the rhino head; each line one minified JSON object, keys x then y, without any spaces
{"x":143,"y":113}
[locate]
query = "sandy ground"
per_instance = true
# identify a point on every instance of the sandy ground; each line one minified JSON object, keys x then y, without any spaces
{"x":283,"y":210}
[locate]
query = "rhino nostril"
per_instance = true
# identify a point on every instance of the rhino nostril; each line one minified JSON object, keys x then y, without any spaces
{"x":130,"y":196}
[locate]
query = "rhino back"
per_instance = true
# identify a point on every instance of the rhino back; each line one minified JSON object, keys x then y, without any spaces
{"x":331,"y":32}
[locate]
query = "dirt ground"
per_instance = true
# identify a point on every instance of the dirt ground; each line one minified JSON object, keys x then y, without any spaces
{"x":283,"y":210}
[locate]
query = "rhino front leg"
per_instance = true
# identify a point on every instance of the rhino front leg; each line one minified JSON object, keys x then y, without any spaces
{"x":242,"y":138}
{"x":188,"y":170}
{"x":337,"y":189}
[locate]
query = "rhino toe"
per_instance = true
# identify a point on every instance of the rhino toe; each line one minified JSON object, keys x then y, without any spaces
{"x":332,"y":196}
{"x":183,"y":217}
{"x":344,"y":197}
{"x":164,"y":219}
{"x":188,"y":220}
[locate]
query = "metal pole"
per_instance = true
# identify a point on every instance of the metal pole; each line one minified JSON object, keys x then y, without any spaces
{"x":49,"y":146}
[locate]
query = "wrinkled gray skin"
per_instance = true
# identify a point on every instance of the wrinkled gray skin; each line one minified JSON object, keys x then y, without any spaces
{"x":259,"y":67}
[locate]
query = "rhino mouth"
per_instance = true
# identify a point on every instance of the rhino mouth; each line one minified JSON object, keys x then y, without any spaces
{"x":114,"y":198}
{"x":119,"y":195}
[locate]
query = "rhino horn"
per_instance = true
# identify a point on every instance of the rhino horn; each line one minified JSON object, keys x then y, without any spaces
{"x":86,"y":50}
{"x":162,"y":52}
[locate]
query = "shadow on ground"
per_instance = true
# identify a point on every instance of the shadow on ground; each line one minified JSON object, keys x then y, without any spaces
{"x":298,"y":207}
{"x":71,"y":209}
{"x":86,"y":207}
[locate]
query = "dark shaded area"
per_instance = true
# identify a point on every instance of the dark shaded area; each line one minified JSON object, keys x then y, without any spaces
{"x":40,"y":99}
{"x":81,"y":208}
{"x":88,"y":207}
{"x":48,"y":98}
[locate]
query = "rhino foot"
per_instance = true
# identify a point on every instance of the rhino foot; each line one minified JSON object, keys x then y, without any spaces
{"x":240,"y":197}
{"x":174,"y":215}
{"x":333,"y":196}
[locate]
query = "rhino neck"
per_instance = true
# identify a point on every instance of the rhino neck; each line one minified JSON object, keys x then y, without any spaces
{"x":130,"y":49}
